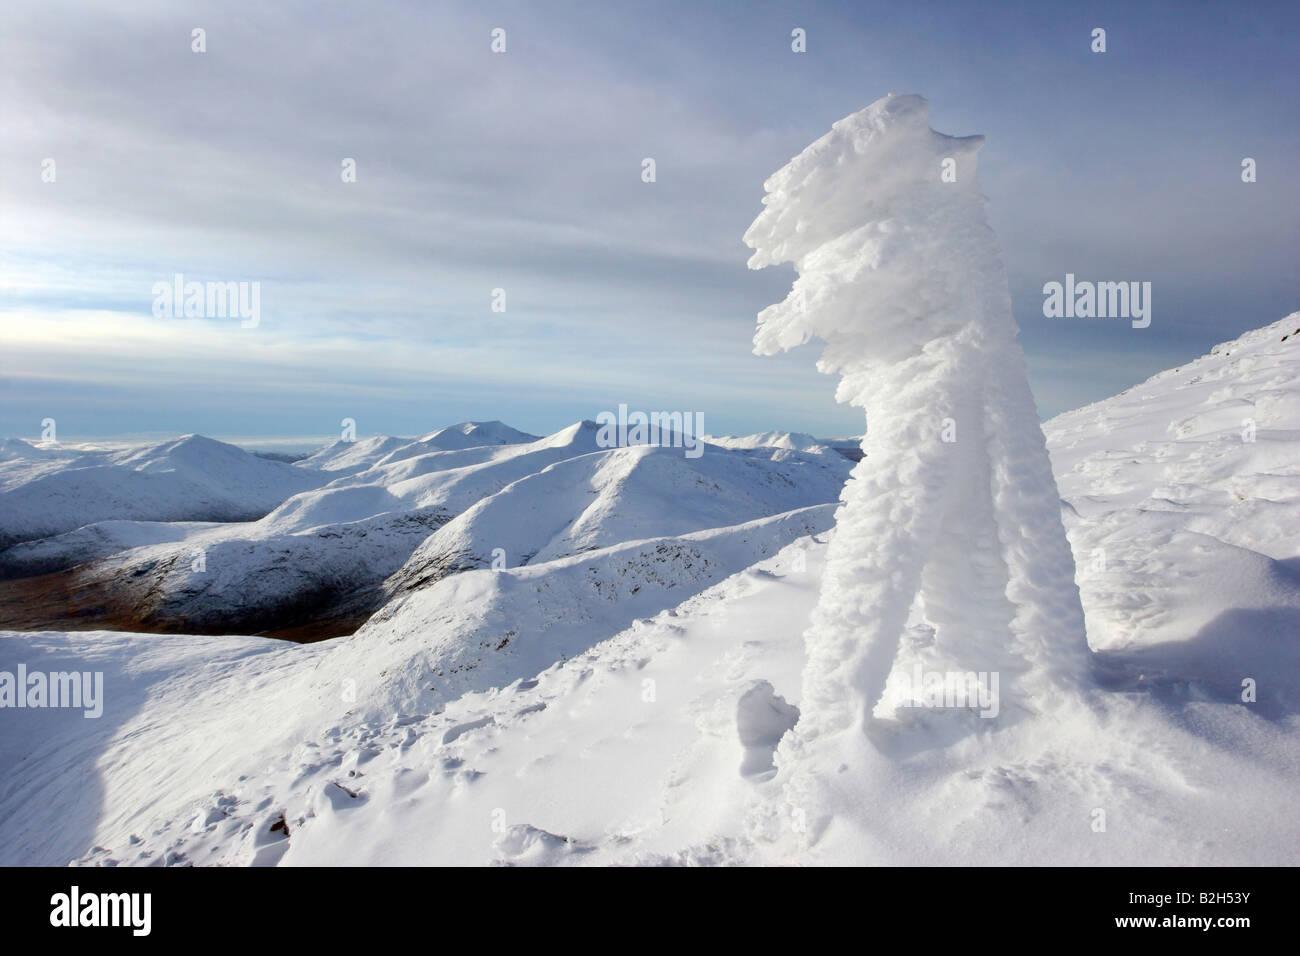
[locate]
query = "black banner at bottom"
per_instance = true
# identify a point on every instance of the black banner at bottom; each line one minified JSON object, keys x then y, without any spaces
{"x":342,"y":906}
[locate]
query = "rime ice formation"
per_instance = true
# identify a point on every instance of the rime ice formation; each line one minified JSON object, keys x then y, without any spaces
{"x":949,"y":544}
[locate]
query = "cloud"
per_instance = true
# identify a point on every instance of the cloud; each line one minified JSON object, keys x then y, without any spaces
{"x":522,"y":171}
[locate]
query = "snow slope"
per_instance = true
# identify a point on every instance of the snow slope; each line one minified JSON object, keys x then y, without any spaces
{"x":484,"y":628}
{"x":92,"y":542}
{"x":653,"y":747}
{"x":1183,"y":499}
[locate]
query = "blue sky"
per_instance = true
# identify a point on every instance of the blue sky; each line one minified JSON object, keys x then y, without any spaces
{"x":522,"y":171}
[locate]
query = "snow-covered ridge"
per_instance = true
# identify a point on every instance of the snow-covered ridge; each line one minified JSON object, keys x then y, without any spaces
{"x":479,"y":629}
{"x":627,"y":494}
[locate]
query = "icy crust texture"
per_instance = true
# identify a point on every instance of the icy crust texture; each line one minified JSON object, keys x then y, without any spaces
{"x":948,"y":541}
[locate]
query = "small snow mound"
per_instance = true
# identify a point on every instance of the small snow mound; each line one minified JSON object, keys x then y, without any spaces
{"x":762,"y":718}
{"x":526,"y":845}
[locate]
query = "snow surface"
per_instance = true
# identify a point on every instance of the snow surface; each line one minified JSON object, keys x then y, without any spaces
{"x":1183,"y":508}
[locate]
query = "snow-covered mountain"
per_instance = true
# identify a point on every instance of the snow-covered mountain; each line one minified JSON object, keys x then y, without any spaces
{"x":318,"y":559}
{"x":797,"y":441}
{"x":351,"y":456}
{"x":625,"y":494}
{"x":619,"y":696}
{"x":474,"y":434}
{"x":47,"y":492}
